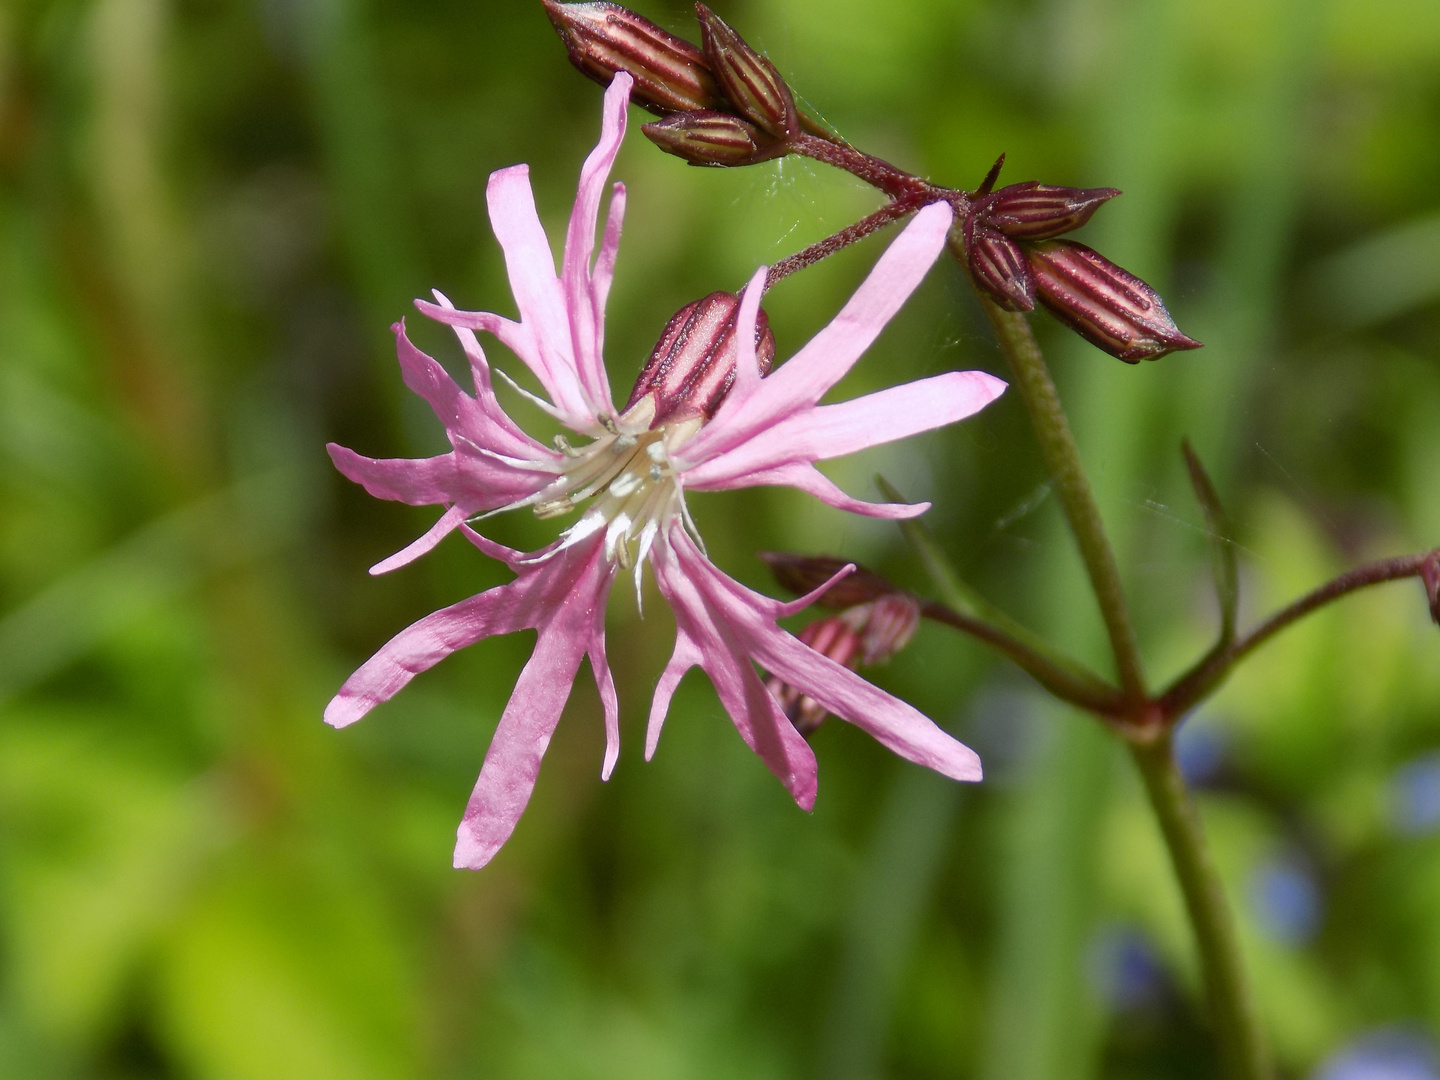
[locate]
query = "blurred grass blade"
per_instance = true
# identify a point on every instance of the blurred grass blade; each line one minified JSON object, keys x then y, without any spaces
{"x":1222,"y":546}
{"x":1381,"y":277}
{"x":898,"y":880}
{"x":163,"y":560}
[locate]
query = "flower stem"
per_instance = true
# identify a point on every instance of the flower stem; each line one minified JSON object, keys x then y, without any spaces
{"x":823,"y":249}
{"x":1062,"y":460}
{"x":1203,"y":679}
{"x":1232,"y":1005}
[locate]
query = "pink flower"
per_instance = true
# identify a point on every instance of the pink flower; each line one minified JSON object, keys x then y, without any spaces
{"x":638,"y":468}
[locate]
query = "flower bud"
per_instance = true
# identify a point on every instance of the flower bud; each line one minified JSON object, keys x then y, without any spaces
{"x":885,"y":626}
{"x":801,"y":574}
{"x":602,"y":38}
{"x":1109,"y":307}
{"x":748,"y":79}
{"x":1036,"y":211}
{"x":693,"y":365}
{"x":997,"y":265}
{"x":865,"y":634}
{"x":711,"y":138}
{"x":1430,"y":574}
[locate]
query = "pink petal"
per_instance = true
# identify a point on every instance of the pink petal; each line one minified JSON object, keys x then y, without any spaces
{"x":559,"y":591}
{"x":685,"y":657}
{"x":750,"y":619}
{"x":510,"y":438}
{"x":569,"y":602}
{"x":828,"y":431}
{"x":538,"y":295}
{"x":604,"y":273}
{"x":417,"y":481}
{"x":512,"y":763}
{"x":804,"y":379}
{"x":609,"y":701}
{"x":892,"y":723}
{"x":711,"y":643}
{"x":425,"y":544}
{"x":424,"y":644}
{"x":424,"y":375}
{"x":812,"y":481}
{"x":489,"y":547}
{"x":580,"y":246}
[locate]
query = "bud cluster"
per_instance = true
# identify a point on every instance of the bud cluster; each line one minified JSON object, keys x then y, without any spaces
{"x":875,"y":621}
{"x":1013,"y":256}
{"x":722,"y":104}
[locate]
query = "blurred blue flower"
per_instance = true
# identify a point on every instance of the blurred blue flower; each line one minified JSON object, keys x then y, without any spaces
{"x":1286,"y":900}
{"x":1200,"y":751}
{"x":1392,"y":1054}
{"x":1415,"y":795}
{"x":1124,"y":969}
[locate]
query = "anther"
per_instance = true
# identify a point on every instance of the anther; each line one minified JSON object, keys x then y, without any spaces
{"x":554,"y":508}
{"x":657,"y":473}
{"x":563,"y":445}
{"x":623,"y":443}
{"x":608,"y":423}
{"x":625,"y":484}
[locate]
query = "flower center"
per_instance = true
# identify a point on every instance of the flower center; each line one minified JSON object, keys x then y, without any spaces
{"x":628,"y":474}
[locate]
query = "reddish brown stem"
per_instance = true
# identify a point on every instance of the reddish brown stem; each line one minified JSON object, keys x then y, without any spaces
{"x":823,"y":249}
{"x":1206,"y":676}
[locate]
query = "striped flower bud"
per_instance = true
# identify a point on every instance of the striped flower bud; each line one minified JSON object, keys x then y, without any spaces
{"x":1109,"y":307}
{"x":711,"y":138}
{"x":693,"y":365}
{"x":748,"y":79}
{"x":602,"y":38}
{"x":997,"y":265}
{"x":1036,"y":211}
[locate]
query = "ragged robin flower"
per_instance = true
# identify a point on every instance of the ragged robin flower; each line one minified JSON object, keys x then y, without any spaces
{"x":704,"y":417}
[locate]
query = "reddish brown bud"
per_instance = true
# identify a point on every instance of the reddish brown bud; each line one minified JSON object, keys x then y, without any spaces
{"x":866,"y":634}
{"x":997,"y":265}
{"x":748,"y":79}
{"x":1109,"y":307}
{"x":1036,"y":211}
{"x":602,"y":38}
{"x":801,"y":574}
{"x":711,"y":138}
{"x":885,"y":627}
{"x":693,"y":365}
{"x":1430,"y":574}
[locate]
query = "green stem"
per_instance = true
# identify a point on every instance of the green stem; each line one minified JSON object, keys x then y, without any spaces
{"x":1232,"y":1005}
{"x":1062,"y":459}
{"x":966,"y":610}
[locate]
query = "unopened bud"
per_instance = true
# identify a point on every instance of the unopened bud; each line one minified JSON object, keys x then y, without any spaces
{"x":1036,"y":211}
{"x":693,"y":365}
{"x":885,"y":626}
{"x":865,"y":634}
{"x":748,"y":79}
{"x":801,"y":574}
{"x":602,"y":38}
{"x":997,"y":265}
{"x":1109,"y":307}
{"x":1430,"y":574}
{"x":711,"y":138}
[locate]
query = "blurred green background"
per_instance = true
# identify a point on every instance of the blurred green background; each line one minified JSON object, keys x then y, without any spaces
{"x":210,"y":213}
